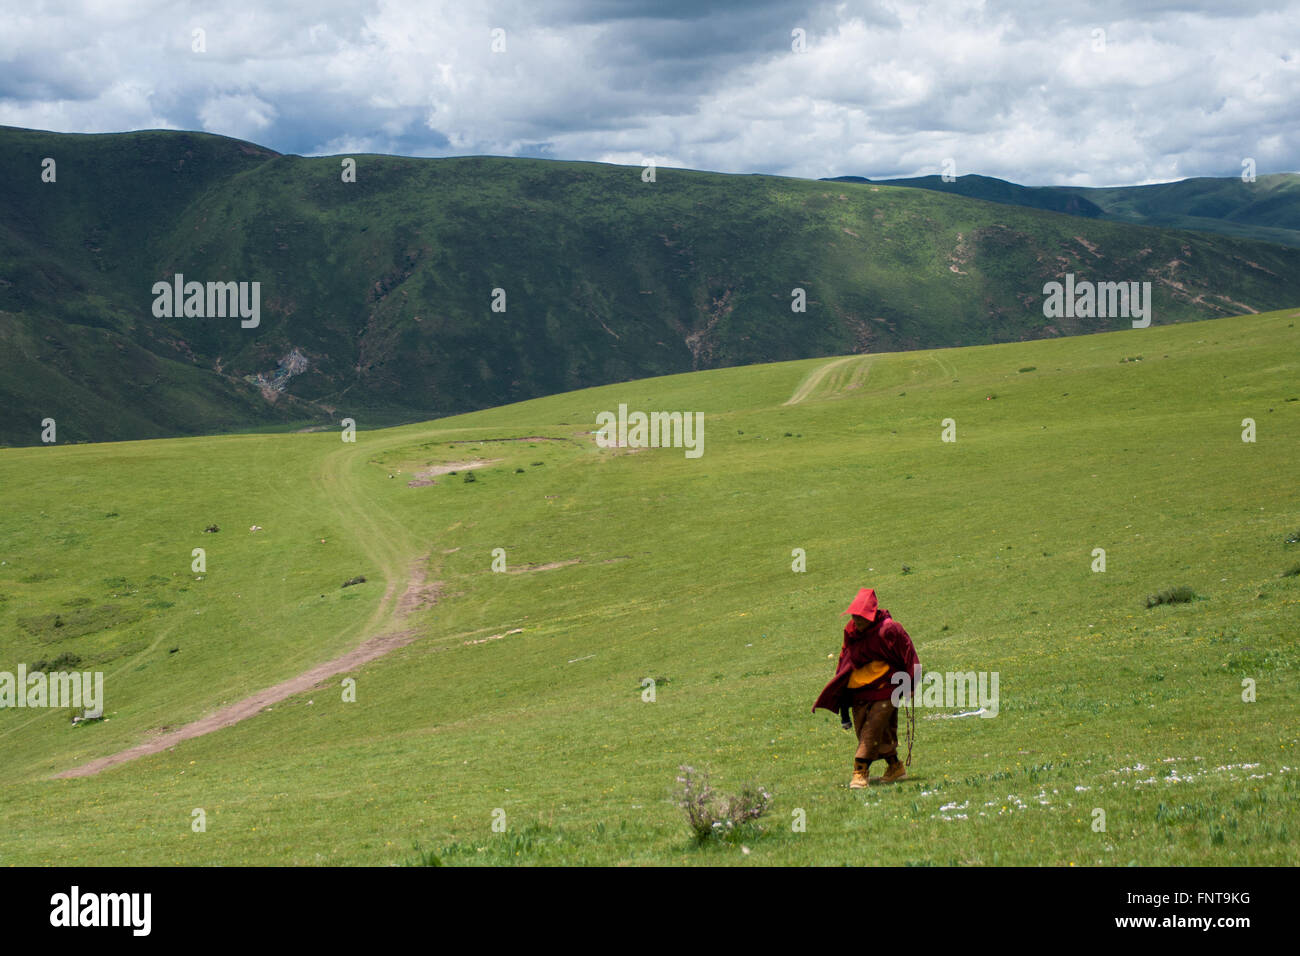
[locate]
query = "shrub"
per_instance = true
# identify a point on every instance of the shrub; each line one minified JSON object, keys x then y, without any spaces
{"x":469,"y":477}
{"x":712,"y":815}
{"x":1291,"y":572}
{"x":1178,"y":595}
{"x":1029,"y":368}
{"x":64,"y":661}
{"x":359,"y":579}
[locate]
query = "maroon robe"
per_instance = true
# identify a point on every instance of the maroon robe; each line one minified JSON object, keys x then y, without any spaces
{"x":884,"y":640}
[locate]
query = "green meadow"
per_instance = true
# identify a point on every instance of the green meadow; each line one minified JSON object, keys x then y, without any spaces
{"x":520,"y":695}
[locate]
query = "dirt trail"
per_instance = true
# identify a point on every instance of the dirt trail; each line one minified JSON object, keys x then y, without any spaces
{"x":809,"y":384}
{"x":249,"y":706}
{"x":390,"y":548}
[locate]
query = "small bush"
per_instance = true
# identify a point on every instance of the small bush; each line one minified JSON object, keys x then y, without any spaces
{"x":64,"y":661}
{"x":1030,"y":368}
{"x":718,"y":816}
{"x":1293,"y":538}
{"x":359,"y":579}
{"x":519,"y":471}
{"x":469,"y":477}
{"x":1292,"y":572}
{"x":1171,"y":596}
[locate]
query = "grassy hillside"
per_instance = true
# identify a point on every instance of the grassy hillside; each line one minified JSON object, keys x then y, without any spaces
{"x":383,"y":287}
{"x":522,"y":691}
{"x":1052,"y":198}
{"x":1267,"y":209}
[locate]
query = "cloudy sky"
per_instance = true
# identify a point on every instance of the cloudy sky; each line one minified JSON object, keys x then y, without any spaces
{"x":1109,"y":93}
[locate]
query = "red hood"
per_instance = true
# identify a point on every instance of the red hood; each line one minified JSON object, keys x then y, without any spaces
{"x":885,"y":640}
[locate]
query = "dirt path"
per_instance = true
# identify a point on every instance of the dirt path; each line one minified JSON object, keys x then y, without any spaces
{"x":809,"y":384}
{"x":389,"y":546}
{"x":249,"y":706}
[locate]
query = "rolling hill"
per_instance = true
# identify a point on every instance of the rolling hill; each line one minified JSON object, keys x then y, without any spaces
{"x":376,"y":296}
{"x":1267,"y":209}
{"x":518,"y":694}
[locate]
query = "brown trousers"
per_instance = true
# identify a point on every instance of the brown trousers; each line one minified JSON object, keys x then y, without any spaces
{"x":876,"y":723}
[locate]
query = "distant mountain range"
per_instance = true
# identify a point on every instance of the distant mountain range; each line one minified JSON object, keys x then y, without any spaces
{"x":1267,"y":209}
{"x":434,"y":286}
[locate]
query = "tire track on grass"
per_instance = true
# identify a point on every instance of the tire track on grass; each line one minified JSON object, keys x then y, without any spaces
{"x":814,"y":379}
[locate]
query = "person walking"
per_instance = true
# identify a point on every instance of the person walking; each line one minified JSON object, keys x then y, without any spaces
{"x":875,"y":649}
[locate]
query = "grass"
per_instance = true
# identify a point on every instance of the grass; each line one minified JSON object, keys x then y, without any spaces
{"x":1266,"y":208}
{"x":385,"y":284}
{"x":683,"y":573}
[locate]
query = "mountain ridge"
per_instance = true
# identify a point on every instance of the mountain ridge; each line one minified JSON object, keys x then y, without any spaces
{"x":1267,"y":209}
{"x":384,"y":288}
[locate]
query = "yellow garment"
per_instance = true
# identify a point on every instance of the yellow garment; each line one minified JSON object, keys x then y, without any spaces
{"x":862,"y":676}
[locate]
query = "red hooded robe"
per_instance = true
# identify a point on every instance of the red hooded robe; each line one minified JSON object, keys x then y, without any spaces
{"x":884,"y":640}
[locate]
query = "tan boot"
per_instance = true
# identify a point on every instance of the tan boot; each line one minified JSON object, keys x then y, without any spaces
{"x":861,"y":775}
{"x":894,"y":773}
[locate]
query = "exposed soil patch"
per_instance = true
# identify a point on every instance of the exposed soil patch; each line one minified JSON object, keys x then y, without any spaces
{"x":527,"y":568}
{"x":423,"y":477}
{"x":419,"y":593}
{"x":484,"y":441}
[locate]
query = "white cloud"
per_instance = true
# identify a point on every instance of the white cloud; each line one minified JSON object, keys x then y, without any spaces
{"x":242,"y":115}
{"x":1182,"y":88}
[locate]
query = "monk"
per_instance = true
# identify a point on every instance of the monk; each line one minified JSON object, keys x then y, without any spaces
{"x":875,"y":649}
